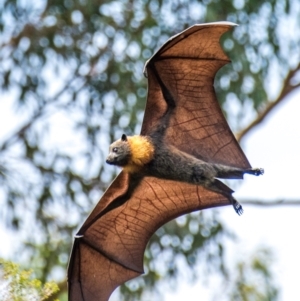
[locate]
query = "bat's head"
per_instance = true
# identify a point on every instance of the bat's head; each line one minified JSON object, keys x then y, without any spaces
{"x":119,"y":152}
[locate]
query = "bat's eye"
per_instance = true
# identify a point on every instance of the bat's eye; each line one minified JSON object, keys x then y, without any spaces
{"x":115,"y":150}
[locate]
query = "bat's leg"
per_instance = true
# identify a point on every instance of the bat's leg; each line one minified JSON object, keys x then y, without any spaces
{"x":219,"y":187}
{"x":227,"y":172}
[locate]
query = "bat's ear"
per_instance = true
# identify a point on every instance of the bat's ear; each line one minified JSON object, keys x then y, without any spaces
{"x":124,"y":137}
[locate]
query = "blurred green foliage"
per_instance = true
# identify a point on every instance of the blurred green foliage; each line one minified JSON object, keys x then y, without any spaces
{"x":71,"y":82}
{"x":254,"y":280}
{"x":20,"y":285}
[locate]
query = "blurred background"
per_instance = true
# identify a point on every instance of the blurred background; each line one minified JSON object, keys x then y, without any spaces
{"x":71,"y":82}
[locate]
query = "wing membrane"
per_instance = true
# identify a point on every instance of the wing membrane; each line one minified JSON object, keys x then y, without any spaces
{"x":111,"y":249}
{"x":186,"y":65}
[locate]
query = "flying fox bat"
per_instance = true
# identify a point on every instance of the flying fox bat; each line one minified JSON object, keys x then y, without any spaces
{"x":170,"y":169}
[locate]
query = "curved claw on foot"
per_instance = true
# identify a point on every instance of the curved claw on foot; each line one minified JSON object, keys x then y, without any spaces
{"x":237,"y":207}
{"x":258,"y":171}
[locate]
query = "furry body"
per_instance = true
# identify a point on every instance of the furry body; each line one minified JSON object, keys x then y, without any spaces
{"x":151,"y":156}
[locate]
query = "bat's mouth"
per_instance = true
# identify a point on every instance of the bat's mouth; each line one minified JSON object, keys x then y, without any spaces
{"x":110,"y":162}
{"x":115,"y":161}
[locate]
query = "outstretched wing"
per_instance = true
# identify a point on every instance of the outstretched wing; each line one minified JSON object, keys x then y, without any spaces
{"x":186,"y":65}
{"x":109,"y":248}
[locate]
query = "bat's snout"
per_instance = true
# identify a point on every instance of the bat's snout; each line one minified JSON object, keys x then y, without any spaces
{"x":109,"y":160}
{"x":112,"y":159}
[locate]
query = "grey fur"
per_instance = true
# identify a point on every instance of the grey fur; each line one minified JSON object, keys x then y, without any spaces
{"x":173,"y":164}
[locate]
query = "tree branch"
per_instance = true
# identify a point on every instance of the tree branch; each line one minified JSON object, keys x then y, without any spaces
{"x":271,"y":203}
{"x":287,"y":88}
{"x":38,"y":114}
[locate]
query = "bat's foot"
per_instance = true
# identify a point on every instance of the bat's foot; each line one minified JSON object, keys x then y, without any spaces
{"x":256,"y":171}
{"x":237,"y":207}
